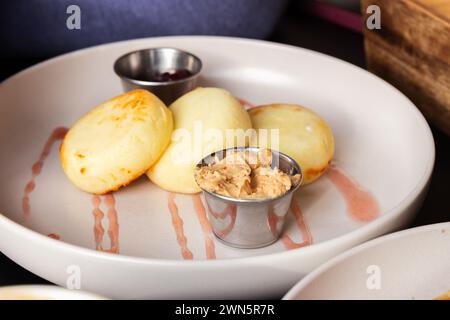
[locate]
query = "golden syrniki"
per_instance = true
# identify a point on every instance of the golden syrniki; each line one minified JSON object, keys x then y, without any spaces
{"x":303,"y":135}
{"x":206,"y":120}
{"x":116,"y":142}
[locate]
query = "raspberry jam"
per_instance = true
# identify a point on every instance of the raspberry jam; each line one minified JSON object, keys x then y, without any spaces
{"x":167,"y":76}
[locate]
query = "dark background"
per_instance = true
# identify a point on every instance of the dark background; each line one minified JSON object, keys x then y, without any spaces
{"x":309,"y":32}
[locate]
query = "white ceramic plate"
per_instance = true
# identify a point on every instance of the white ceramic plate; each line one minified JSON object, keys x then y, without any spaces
{"x":411,"y":264}
{"x":384,"y":156}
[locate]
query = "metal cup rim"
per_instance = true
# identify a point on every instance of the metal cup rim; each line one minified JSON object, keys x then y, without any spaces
{"x":253,"y":201}
{"x":156,"y":83}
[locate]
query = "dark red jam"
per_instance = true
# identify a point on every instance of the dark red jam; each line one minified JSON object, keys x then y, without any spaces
{"x":170,"y":75}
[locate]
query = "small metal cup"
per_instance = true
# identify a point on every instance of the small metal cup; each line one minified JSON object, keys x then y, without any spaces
{"x":137,"y":68}
{"x":250,"y":223}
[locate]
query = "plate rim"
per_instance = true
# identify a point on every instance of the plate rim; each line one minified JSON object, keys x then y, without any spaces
{"x":310,"y":277}
{"x":368,"y":228}
{"x":51,"y":291}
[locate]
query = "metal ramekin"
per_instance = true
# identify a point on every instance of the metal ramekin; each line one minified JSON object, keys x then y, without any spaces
{"x":134,"y":66}
{"x":250,"y":223}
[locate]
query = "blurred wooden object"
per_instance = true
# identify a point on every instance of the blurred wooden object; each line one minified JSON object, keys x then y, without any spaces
{"x":412,"y":51}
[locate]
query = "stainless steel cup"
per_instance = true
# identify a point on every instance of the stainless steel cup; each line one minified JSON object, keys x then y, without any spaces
{"x":137,"y":69}
{"x":250,"y":223}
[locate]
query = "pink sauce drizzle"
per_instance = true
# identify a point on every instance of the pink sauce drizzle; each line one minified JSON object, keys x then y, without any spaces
{"x":206,"y":227}
{"x":361,"y":204}
{"x":54,"y":236}
{"x":229,"y":211}
{"x":56,"y":135}
{"x":113,"y":229}
{"x":177,"y":224}
{"x":303,"y":227}
{"x":247,"y":105}
{"x":98,"y":217}
{"x":273,"y":221}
